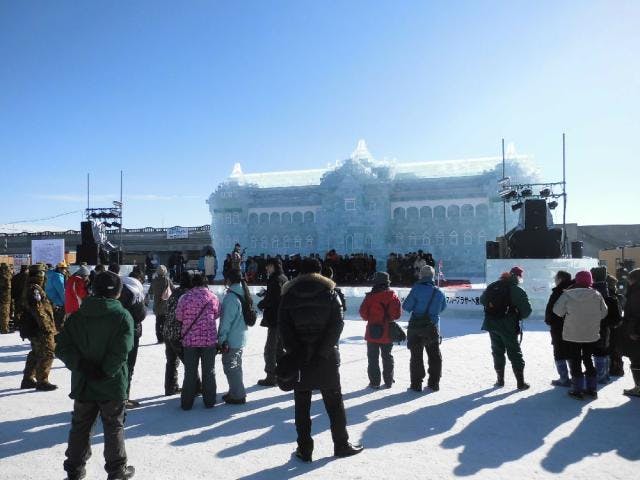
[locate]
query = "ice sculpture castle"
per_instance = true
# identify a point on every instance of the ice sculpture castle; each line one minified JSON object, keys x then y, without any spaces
{"x":450,"y":208}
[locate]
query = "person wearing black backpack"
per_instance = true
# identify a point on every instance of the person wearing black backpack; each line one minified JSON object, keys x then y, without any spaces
{"x":505,"y":305}
{"x":232,"y":337}
{"x":425,"y":302}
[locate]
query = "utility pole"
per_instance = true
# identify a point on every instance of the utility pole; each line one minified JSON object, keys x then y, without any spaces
{"x":504,"y":201}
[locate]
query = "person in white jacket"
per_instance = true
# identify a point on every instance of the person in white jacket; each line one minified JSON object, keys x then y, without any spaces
{"x":583,"y":308}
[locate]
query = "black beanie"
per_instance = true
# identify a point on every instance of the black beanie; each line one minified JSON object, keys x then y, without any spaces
{"x":107,"y":284}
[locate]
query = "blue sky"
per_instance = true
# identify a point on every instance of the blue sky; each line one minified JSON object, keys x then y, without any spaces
{"x":174,"y":93}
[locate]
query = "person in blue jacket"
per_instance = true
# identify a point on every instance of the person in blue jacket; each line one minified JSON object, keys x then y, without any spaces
{"x":54,"y":288}
{"x":425,"y":302}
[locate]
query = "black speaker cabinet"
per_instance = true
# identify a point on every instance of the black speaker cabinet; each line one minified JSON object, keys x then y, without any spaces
{"x":88,"y":254}
{"x":493,"y":250}
{"x":576,"y":249}
{"x":86,"y":231}
{"x":536,"y":243}
{"x":535,"y":214}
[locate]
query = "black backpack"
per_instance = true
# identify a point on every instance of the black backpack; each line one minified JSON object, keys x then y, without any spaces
{"x":497,"y":299}
{"x":248,"y":312}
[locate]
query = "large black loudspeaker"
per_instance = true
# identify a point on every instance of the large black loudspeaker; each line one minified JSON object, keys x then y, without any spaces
{"x":87,"y":235}
{"x":576,"y":249}
{"x":535,"y":214}
{"x":536,"y":243}
{"x":493,"y":250}
{"x":88,"y":254}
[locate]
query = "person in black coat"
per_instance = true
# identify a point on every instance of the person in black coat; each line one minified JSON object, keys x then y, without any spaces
{"x":560,"y":354}
{"x":269,"y":306}
{"x":310,"y":321}
{"x":629,"y":338}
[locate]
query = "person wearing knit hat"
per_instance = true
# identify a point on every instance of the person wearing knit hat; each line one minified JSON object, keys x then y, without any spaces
{"x":380,"y":307}
{"x":630,"y":330}
{"x":583,"y":309}
{"x":506,"y":304}
{"x":562,"y":281}
{"x":425,"y":303}
{"x":94,"y":345}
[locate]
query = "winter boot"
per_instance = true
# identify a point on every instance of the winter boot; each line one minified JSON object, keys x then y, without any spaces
{"x":416,"y":387}
{"x":521,"y":384}
{"x":303,"y":456}
{"x":27,"y":383}
{"x":592,"y":387}
{"x":499,"y":378}
{"x":433,"y":385}
{"x":635,"y":391}
{"x":602,"y":369}
{"x":563,"y":371}
{"x":576,"y":388}
{"x":347,"y":450}
{"x":268,"y":381}
{"x":45,"y":387}
{"x":125,"y":474}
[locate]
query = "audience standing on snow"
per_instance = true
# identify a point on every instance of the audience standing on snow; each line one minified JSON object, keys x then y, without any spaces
{"x":101,"y":325}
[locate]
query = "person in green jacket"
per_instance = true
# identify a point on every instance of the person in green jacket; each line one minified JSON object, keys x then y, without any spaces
{"x":232,"y":337}
{"x":506,"y":303}
{"x":94,"y":345}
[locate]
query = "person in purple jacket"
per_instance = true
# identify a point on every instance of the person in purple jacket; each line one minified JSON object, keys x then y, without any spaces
{"x":197,"y":311}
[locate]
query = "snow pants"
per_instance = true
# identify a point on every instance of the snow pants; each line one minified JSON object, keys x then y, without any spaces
{"x":40,"y":358}
{"x":83,"y":419}
{"x":337,"y":417}
{"x":506,"y":342}
{"x":272,"y":350}
{"x":374,"y":351}
{"x":232,"y":366}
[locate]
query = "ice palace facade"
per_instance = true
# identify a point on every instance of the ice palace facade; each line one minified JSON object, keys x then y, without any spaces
{"x":449,"y":208}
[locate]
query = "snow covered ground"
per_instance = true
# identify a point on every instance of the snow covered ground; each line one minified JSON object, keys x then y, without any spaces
{"x":468,"y":429}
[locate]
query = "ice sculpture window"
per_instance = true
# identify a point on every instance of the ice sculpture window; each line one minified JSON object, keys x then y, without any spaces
{"x":368,"y":242}
{"x":264,"y":242}
{"x":297,"y":241}
{"x":309,"y":217}
{"x":482,"y":210}
{"x":286,"y":218}
{"x":286,"y":242}
{"x":467,"y":210}
{"x":264,"y":218}
{"x":236,"y":218}
{"x":254,"y":242}
{"x":426,"y":240}
{"x":310,"y":241}
{"x":468,"y":238}
{"x":440,"y":237}
{"x":482,"y":237}
{"x":399,"y":239}
{"x":349,"y":204}
{"x":297,"y":218}
{"x":275,"y":218}
{"x":275,"y":243}
{"x":398,"y":214}
{"x":253,"y":219}
{"x":425,"y":213}
{"x":439,"y":212}
{"x":453,"y":238}
{"x":227,"y":219}
{"x":453,"y":211}
{"x":348,"y":243}
{"x":412,"y":213}
{"x":413,"y":239}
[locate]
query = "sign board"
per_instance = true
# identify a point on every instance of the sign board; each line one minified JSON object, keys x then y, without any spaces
{"x":177,"y":233}
{"x":47,"y":251}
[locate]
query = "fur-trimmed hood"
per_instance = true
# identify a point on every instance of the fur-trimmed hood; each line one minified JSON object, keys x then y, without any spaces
{"x":308,"y":285}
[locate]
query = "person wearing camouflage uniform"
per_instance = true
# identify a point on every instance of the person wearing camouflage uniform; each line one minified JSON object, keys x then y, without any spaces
{"x":18,"y":285}
{"x":5,"y":298}
{"x":38,"y":325}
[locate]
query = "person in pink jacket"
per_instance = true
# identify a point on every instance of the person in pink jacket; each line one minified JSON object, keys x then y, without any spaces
{"x":197,"y":311}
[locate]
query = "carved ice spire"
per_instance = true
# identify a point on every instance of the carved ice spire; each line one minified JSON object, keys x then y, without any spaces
{"x":361,"y":151}
{"x":237,"y":171}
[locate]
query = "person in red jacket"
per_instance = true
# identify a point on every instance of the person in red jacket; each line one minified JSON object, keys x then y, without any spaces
{"x":380,"y":306}
{"x":76,"y":290}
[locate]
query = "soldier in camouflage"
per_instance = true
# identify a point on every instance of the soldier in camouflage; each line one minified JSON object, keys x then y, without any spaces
{"x":19,"y":283}
{"x":5,"y":298}
{"x":38,"y":325}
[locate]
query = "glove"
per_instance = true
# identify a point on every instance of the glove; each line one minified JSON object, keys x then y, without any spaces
{"x":90,"y":369}
{"x":224,"y":348}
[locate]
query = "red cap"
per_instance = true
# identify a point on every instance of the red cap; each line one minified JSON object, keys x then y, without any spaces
{"x":517,"y":271}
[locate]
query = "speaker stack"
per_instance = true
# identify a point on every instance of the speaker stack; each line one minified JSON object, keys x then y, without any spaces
{"x":88,"y":251}
{"x":536,"y":240}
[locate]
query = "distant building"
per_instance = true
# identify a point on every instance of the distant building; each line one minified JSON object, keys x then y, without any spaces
{"x":449,"y":208}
